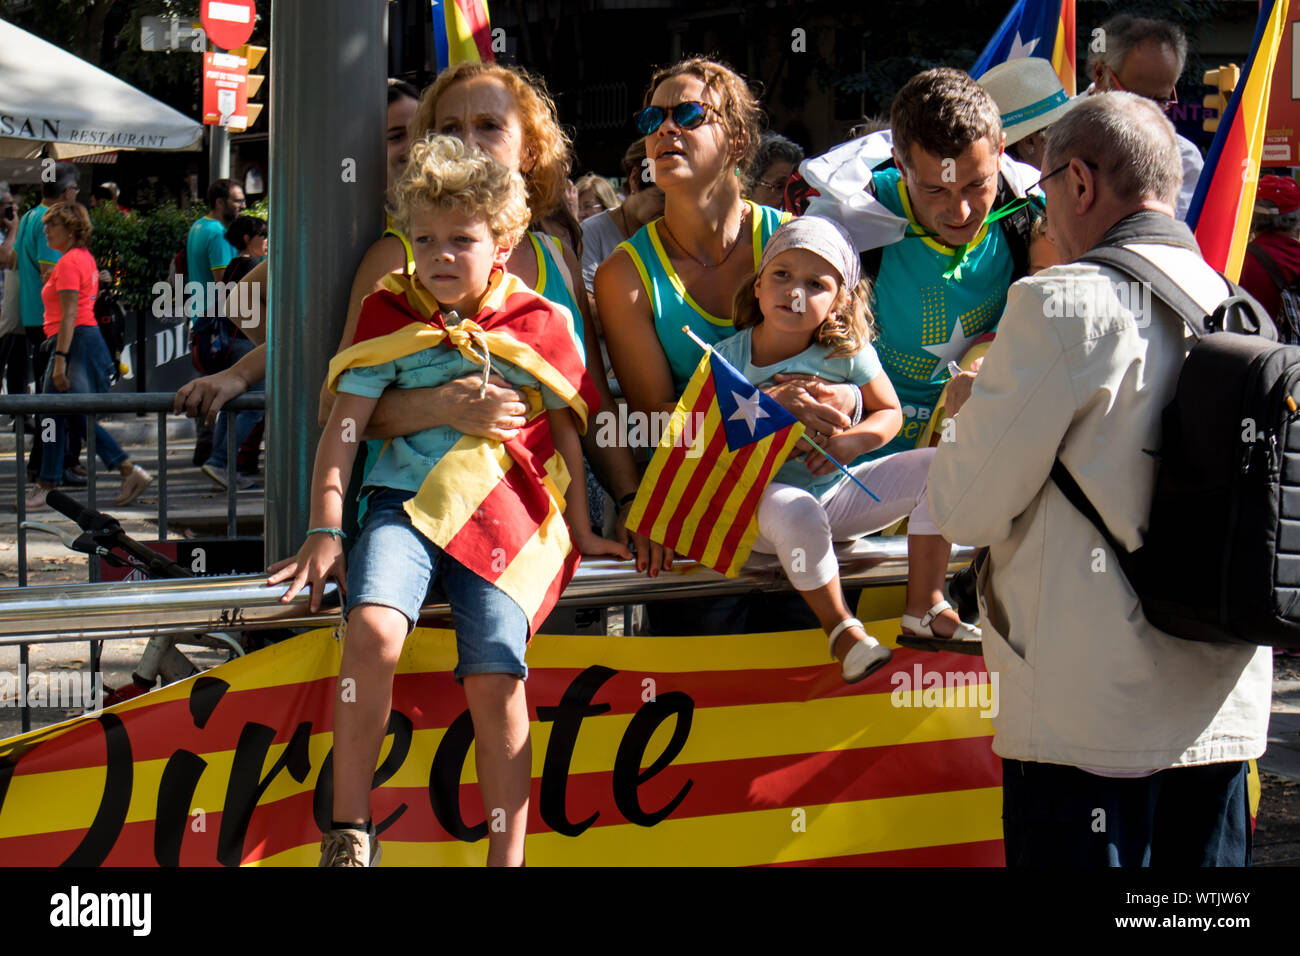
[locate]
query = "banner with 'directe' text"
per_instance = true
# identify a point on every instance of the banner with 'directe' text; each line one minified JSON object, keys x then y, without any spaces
{"x":714,"y":750}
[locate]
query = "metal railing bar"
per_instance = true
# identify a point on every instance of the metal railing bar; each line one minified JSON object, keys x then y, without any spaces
{"x":244,"y":602}
{"x":232,"y":449}
{"x":20,"y":475}
{"x":108,"y":402}
{"x":162,"y":476}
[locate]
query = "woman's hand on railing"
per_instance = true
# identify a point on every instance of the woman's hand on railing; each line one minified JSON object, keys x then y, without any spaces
{"x":651,"y":557}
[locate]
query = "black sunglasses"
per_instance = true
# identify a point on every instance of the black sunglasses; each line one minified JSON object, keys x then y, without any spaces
{"x":687,"y":115}
{"x":1059,"y":169}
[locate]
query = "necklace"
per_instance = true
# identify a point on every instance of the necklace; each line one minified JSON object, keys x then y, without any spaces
{"x":707,"y":265}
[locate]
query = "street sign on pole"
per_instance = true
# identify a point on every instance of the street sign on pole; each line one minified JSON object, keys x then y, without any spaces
{"x":225,"y":90}
{"x":164,"y":34}
{"x":229,"y":22}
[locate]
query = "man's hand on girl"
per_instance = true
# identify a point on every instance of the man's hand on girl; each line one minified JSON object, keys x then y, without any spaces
{"x":317,"y":561}
{"x":812,"y":401}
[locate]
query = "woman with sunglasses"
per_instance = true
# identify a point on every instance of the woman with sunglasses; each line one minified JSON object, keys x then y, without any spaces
{"x":701,"y":129}
{"x":700,"y":124}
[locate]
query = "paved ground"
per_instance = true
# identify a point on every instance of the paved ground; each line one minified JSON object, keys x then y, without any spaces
{"x":196,"y":507}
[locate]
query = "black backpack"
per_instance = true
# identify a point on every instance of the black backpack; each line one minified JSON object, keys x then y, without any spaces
{"x":111,"y":318}
{"x":1220,"y":560}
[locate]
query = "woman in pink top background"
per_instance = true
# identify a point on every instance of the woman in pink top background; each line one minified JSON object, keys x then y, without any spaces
{"x":80,"y":361}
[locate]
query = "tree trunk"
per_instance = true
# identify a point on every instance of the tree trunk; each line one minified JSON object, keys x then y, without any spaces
{"x":92,"y":43}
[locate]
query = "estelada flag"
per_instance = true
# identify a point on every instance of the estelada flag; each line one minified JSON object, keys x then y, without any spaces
{"x":461,"y":32}
{"x":724,"y":443}
{"x":1041,"y":28}
{"x":496,"y":507}
{"x":1224,"y":202}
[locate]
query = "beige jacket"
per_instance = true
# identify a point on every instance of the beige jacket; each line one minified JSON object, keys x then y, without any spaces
{"x":1084,"y":680}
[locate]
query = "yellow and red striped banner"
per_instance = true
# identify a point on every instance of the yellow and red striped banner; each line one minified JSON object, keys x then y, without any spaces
{"x":722,"y":750}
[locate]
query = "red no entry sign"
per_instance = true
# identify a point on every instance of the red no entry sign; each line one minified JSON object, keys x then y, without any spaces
{"x":229,"y":22}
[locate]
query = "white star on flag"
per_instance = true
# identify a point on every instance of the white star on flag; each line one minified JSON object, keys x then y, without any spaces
{"x":956,"y":346}
{"x":1021,"y":49}
{"x":748,"y":410}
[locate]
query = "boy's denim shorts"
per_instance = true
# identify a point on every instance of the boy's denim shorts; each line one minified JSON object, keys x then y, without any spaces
{"x":394,"y":565}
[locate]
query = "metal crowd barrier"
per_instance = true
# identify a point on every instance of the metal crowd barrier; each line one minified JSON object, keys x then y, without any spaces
{"x":145,"y":608}
{"x":46,"y":405}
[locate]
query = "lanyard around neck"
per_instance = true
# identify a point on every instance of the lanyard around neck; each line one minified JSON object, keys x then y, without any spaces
{"x":959,"y":254}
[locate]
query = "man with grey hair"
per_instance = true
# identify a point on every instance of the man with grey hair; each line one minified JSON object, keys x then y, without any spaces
{"x":1146,"y":57}
{"x":1121,"y":745}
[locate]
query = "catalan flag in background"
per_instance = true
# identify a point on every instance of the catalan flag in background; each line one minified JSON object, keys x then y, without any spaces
{"x":1041,"y":28}
{"x":1224,"y":201}
{"x":725,"y":442}
{"x":461,"y":32}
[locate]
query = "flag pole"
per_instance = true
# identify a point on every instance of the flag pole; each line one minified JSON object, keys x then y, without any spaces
{"x":709,"y":348}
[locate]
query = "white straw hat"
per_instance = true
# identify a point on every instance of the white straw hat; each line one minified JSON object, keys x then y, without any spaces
{"x":1029,"y":95}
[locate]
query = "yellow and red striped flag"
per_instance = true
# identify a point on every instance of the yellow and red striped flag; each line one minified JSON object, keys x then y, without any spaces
{"x":462,"y":32}
{"x":725,"y":442}
{"x":1224,"y":201}
{"x":496,"y":507}
{"x":749,"y":750}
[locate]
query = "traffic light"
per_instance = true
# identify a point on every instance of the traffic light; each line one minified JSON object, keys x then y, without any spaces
{"x":253,"y":54}
{"x":1225,"y":79}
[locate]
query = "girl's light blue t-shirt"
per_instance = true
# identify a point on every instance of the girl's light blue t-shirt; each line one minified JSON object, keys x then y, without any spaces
{"x":858,"y":369}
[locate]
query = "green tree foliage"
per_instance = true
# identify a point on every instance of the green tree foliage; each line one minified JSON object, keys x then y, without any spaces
{"x":138,"y":248}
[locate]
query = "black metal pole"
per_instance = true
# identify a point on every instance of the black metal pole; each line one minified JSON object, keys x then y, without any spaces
{"x":327,"y":99}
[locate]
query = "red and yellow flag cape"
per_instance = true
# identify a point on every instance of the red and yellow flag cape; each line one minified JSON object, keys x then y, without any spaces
{"x":495,"y":507}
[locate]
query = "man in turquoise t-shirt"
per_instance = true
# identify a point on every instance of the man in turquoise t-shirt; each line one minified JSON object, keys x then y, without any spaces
{"x":34,"y":256}
{"x":207,"y":253}
{"x":942,"y":242}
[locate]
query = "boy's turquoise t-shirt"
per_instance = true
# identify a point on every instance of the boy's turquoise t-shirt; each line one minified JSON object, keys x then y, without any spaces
{"x":858,"y":369}
{"x":924,"y":320}
{"x":405,"y":462}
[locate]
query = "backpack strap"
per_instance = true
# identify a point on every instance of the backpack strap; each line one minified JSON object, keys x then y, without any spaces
{"x":1074,"y":494}
{"x":1230,"y":315}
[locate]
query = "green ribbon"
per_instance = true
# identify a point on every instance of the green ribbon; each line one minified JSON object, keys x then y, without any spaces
{"x":953,"y":271}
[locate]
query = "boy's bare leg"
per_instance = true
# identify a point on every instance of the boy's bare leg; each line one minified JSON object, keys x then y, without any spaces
{"x":927,"y":565}
{"x":371,"y":647}
{"x":503,"y":754}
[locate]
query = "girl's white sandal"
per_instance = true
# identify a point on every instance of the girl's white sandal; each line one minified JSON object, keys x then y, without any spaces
{"x":864,"y":657}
